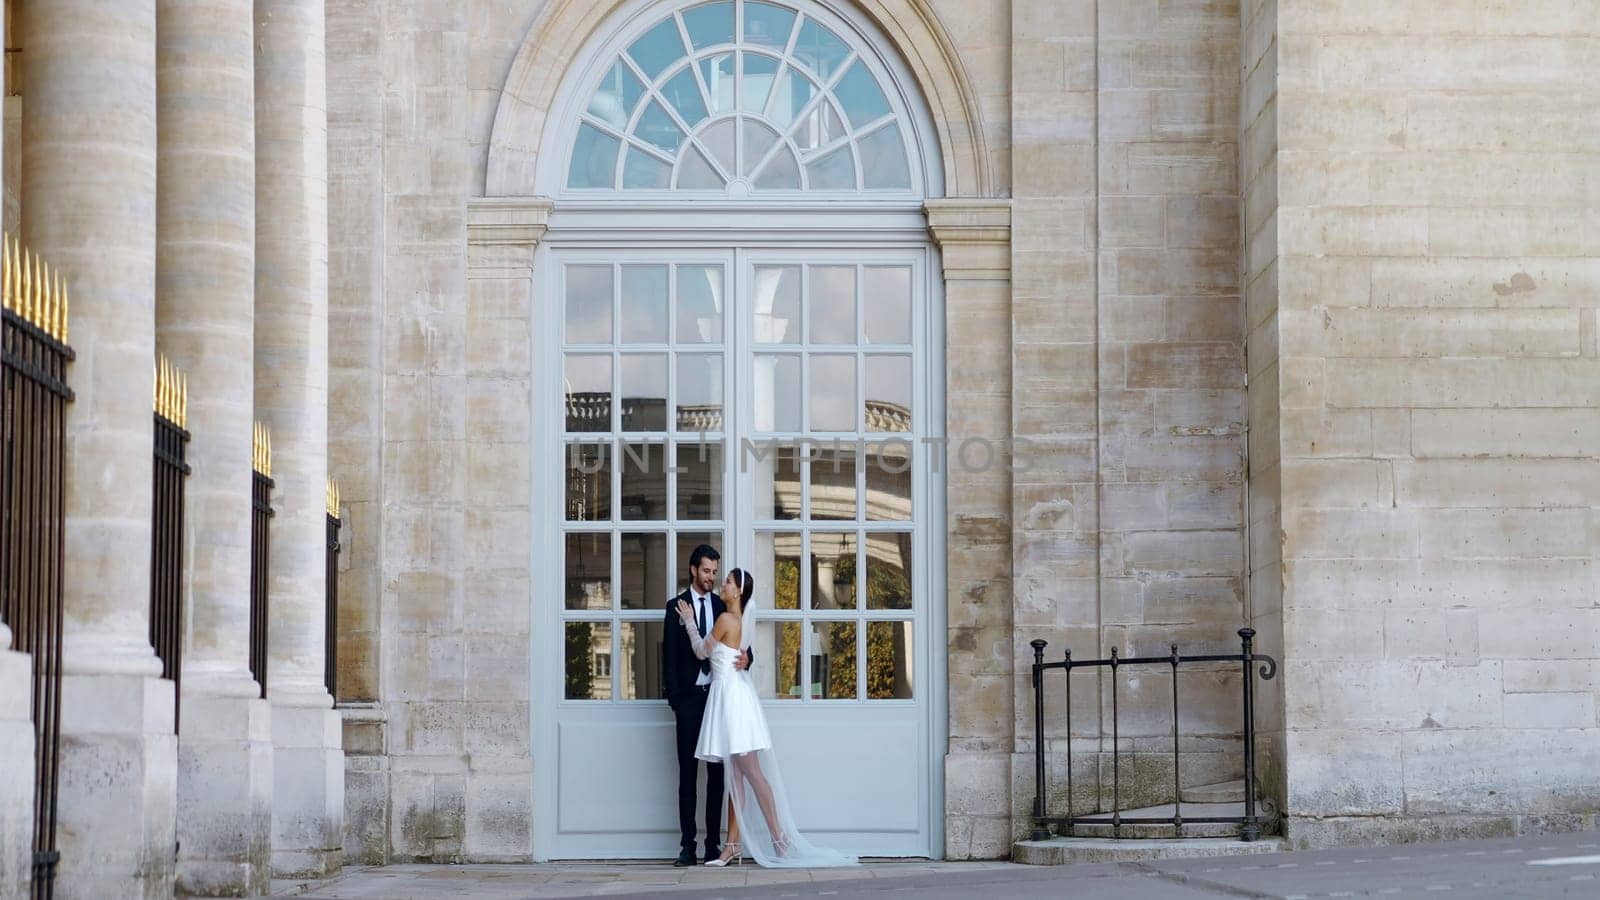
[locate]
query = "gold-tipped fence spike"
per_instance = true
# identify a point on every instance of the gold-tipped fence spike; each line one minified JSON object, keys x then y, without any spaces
{"x":333,"y":498}
{"x":183,"y":403}
{"x":263,"y":450}
{"x":66,"y":316}
{"x":5,"y":271}
{"x":36,"y":300}
{"x":27,"y":286}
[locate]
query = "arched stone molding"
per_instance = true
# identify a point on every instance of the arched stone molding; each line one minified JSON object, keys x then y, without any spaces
{"x":565,"y":27}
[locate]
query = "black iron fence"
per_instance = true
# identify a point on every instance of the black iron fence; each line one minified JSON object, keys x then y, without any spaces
{"x":1250,"y":823}
{"x":260,"y":552}
{"x":331,"y":618}
{"x":166,"y":538}
{"x":35,"y":355}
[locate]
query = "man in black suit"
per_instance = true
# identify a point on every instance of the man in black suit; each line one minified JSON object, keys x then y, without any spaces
{"x":686,"y":682}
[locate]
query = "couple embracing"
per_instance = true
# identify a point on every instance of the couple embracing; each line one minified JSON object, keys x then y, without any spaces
{"x":706,"y":654}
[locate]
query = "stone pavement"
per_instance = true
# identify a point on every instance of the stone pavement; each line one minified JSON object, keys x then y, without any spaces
{"x":1539,"y":866}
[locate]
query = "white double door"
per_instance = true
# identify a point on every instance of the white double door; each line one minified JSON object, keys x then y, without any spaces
{"x":782,"y":406}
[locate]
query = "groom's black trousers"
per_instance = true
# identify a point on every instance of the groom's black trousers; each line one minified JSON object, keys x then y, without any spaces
{"x":690,"y":712}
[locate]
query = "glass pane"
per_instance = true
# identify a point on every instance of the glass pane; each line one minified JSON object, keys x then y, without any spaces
{"x":759,"y":73}
{"x":644,"y":482}
{"x":833,"y":305}
{"x":718,"y":74}
{"x":646,"y":571}
{"x":833,"y":660}
{"x":776,"y":304}
{"x":695,"y":174}
{"x":887,"y":297}
{"x":700,"y":305}
{"x":889,"y":660}
{"x":767,"y":25}
{"x":660,"y":47}
{"x":758,"y":139}
{"x":777,"y":652}
{"x":835,"y":171}
{"x":781,"y":174}
{"x":644,"y":305}
{"x":859,"y":94}
{"x":699,"y":392}
{"x":833,"y":570}
{"x":794,"y":91}
{"x":833,"y":393}
{"x":682,"y":91}
{"x":777,"y":565}
{"x":639,"y":672}
{"x":888,"y":469}
{"x":833,"y":483}
{"x":700,"y":481}
{"x":588,"y":304}
{"x":588,"y":661}
{"x":883,"y":159}
{"x":776,"y":390}
{"x":644,"y":392}
{"x":775,"y":473}
{"x":819,"y":49}
{"x":687,"y":541}
{"x":709,"y":24}
{"x":889,"y":570}
{"x":819,"y":128}
{"x":657,"y":128}
{"x":588,"y":482}
{"x":719,"y":139}
{"x":645,"y":171}
{"x":588,"y":568}
{"x":588,"y":392}
{"x":594,"y":159}
{"x":614,"y":99}
{"x":888,"y":393}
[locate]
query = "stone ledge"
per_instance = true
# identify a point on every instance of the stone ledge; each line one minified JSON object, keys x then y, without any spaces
{"x":1073,"y":851}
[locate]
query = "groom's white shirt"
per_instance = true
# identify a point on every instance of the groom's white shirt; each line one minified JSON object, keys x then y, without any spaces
{"x":702,"y":613}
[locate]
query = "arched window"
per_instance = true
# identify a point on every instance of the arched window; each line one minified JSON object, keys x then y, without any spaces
{"x":744,"y":97}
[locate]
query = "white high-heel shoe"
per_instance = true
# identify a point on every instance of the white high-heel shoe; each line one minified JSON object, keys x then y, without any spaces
{"x":731,"y":852}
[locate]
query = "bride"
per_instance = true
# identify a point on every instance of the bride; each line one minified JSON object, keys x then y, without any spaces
{"x":735,"y":734}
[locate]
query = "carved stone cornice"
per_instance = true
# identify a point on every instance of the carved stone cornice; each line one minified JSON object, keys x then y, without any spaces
{"x":974,"y":237}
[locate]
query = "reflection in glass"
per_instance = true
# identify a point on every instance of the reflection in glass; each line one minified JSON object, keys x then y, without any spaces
{"x":644,"y":482}
{"x":719,"y":139}
{"x":588,"y":304}
{"x":718,"y":74}
{"x":660,"y":47}
{"x":835,"y":171}
{"x":614,"y":100}
{"x":588,"y":570}
{"x":695,"y":173}
{"x":862,"y":98}
{"x":888,"y":393}
{"x":833,"y":482}
{"x":782,"y":173}
{"x":767,"y":24}
{"x":640,"y":673}
{"x":644,"y":392}
{"x":777,"y":566}
{"x":833,"y":570}
{"x":588,"y":482}
{"x":888,"y":469}
{"x":758,"y":139}
{"x":646,"y":571}
{"x":793,"y":92}
{"x":594,"y":159}
{"x":833,"y":393}
{"x":588,"y":661}
{"x":687,"y":541}
{"x":832,"y":305}
{"x":833,"y":660}
{"x":699,"y":304}
{"x":776,"y":306}
{"x":889,"y":570}
{"x":709,"y":24}
{"x":682,"y":92}
{"x":777,"y":647}
{"x":776,"y":392}
{"x":883,"y":159}
{"x":645,"y":171}
{"x":886,"y":301}
{"x":699,"y":392}
{"x":699,"y":481}
{"x":775,"y":479}
{"x":820,"y":127}
{"x":819,"y":49}
{"x":644,"y":305}
{"x":588,"y":392}
{"x":889,"y":661}
{"x":759,"y":73}
{"x":657,"y":128}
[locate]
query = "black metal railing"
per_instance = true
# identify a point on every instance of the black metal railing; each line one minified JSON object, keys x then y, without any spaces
{"x":166,"y":537}
{"x":1250,"y":823}
{"x":35,"y":355}
{"x":260,"y":553}
{"x":330,"y":673}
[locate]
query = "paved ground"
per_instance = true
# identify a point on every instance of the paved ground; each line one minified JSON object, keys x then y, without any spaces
{"x":1531,"y":867}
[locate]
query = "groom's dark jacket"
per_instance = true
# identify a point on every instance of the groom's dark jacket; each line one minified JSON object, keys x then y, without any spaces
{"x":680,"y":667}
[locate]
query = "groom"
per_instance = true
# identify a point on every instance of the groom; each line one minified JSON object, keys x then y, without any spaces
{"x":686,"y":683}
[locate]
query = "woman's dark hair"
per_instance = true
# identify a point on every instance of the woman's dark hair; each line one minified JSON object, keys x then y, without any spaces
{"x":746,"y":583}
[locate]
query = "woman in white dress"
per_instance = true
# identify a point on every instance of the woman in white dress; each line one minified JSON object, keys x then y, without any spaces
{"x":735,"y":734}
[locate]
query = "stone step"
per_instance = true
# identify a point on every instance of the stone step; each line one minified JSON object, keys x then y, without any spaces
{"x":1092,"y":829}
{"x":1221,"y":792}
{"x":1071,"y":851}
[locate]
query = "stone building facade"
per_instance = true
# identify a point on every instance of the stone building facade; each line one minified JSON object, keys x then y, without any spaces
{"x":1182,"y":316}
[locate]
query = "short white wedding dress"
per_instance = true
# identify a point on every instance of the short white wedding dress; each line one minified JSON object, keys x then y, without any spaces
{"x":734,"y":733}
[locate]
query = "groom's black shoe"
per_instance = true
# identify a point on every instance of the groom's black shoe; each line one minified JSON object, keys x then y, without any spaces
{"x":685,"y":859}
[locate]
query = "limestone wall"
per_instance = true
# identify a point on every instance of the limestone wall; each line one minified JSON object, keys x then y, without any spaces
{"x":1437,"y":282}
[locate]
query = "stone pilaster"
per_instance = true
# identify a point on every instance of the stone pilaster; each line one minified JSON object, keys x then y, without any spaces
{"x":291,"y":397}
{"x":974,"y":237}
{"x":205,"y":314}
{"x":89,"y":206}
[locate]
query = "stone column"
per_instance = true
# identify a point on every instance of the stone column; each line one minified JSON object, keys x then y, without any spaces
{"x":89,"y":206}
{"x":205,"y":318}
{"x":291,"y":397}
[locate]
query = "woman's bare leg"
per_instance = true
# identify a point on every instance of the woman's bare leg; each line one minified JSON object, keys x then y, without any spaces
{"x":750,"y":769}
{"x":733,"y":823}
